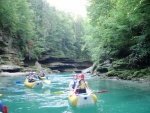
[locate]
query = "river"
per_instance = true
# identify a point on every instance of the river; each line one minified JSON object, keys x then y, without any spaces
{"x":122,"y":96}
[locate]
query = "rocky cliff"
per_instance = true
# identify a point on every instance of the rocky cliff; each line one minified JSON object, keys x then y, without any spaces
{"x":64,"y":64}
{"x":10,"y":61}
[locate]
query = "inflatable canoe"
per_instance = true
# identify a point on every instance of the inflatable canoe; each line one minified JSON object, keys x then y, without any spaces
{"x":42,"y":78}
{"x":36,"y":84}
{"x":84,"y":99}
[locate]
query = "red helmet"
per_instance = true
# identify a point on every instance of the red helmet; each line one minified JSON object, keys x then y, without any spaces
{"x":81,"y":75}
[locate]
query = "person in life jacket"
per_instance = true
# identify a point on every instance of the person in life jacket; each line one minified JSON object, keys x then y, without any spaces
{"x":32,"y":77}
{"x":3,"y":109}
{"x":42,"y":74}
{"x":82,"y":85}
{"x":73,"y":82}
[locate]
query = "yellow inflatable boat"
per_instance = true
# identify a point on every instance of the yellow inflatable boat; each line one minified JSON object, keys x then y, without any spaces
{"x":42,"y":78}
{"x":36,"y":84}
{"x":84,"y":99}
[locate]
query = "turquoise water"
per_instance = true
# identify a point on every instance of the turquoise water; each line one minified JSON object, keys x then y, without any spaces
{"x":122,"y":96}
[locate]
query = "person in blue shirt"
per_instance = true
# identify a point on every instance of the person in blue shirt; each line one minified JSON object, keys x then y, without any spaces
{"x":73,"y":82}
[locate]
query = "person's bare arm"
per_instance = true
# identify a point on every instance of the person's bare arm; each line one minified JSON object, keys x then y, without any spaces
{"x":87,"y":86}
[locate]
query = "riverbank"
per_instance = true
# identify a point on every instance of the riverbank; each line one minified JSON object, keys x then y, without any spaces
{"x":8,"y":74}
{"x":139,"y":80}
{"x":101,"y":76}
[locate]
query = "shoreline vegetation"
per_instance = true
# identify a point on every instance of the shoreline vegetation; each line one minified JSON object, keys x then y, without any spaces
{"x":139,"y":80}
{"x":121,"y":70}
{"x":101,"y":76}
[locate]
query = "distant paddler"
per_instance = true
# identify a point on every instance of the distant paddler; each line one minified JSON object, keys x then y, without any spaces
{"x":32,"y":77}
{"x":42,"y":75}
{"x":32,"y":81}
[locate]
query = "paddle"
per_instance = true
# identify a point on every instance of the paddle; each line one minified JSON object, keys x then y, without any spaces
{"x":61,"y":92}
{"x":18,"y":82}
{"x":45,"y":81}
{"x":98,"y":92}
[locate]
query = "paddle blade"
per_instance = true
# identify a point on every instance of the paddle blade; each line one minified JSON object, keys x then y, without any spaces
{"x":103,"y":91}
{"x":18,"y":82}
{"x":47,"y":81}
{"x":58,"y":92}
{"x":61,"y":92}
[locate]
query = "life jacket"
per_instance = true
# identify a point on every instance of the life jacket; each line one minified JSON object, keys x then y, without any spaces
{"x":82,"y":87}
{"x":31,"y":78}
{"x":74,"y":84}
{"x":82,"y":84}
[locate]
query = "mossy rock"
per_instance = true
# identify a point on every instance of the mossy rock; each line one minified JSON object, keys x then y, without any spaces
{"x":129,"y":77}
{"x":141,"y":73}
{"x":4,"y":58}
{"x":112,"y":73}
{"x":101,"y":69}
{"x":145,"y":71}
{"x":120,"y":64}
{"x":125,"y":74}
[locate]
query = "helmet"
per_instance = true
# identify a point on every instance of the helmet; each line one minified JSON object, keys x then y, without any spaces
{"x":81,"y":75}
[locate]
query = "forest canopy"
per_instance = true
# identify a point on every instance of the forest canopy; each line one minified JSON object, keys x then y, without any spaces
{"x":120,"y":29}
{"x":114,"y":29}
{"x":37,"y":29}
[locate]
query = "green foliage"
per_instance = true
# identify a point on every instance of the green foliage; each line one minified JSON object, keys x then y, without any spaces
{"x":39,"y":29}
{"x":119,"y":29}
{"x":17,"y":21}
{"x":56,"y":32}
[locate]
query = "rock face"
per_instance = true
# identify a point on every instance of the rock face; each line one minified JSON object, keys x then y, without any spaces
{"x":64,"y":64}
{"x":4,"y":74}
{"x":9,"y":61}
{"x":10,"y":68}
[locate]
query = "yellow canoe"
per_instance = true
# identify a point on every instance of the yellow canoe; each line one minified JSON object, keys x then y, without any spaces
{"x":1,"y":95}
{"x":41,"y":78}
{"x":84,"y":99}
{"x":36,"y":84}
